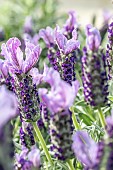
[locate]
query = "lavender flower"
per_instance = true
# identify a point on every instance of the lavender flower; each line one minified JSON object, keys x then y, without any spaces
{"x":23,"y":86}
{"x":94,"y":70}
{"x":28,"y":25}
{"x":8,"y":110}
{"x":67,"y":50}
{"x":8,"y":106}
{"x":49,"y":38}
{"x":87,"y":151}
{"x":93,"y":39}
{"x":14,"y":56}
{"x":70,"y":24}
{"x":58,"y":100}
{"x":28,"y":159}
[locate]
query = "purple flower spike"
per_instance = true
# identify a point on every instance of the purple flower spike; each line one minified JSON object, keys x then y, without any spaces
{"x":14,"y":56}
{"x":85,"y":148}
{"x":66,"y":46}
{"x":93,"y":38}
{"x":59,"y":98}
{"x":8,"y":106}
{"x":47,"y":35}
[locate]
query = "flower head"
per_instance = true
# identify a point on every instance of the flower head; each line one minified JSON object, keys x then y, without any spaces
{"x":58,"y":98}
{"x":93,"y":39}
{"x":48,"y":36}
{"x":70,"y":24}
{"x":85,"y":148}
{"x":28,"y":159}
{"x":64,"y":45}
{"x":14,"y":56}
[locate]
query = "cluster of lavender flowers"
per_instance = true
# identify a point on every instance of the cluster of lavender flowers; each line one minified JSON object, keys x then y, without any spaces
{"x":44,"y":100}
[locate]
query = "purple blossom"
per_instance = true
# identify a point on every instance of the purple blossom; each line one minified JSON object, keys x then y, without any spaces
{"x":64,"y":45}
{"x":28,"y":159}
{"x":32,"y":39}
{"x":3,"y":68}
{"x":34,"y":156}
{"x":8,"y":106}
{"x":58,"y":98}
{"x":28,"y":25}
{"x":93,"y":39}
{"x":85,"y":148}
{"x":71,"y":22}
{"x":47,"y":35}
{"x":106,"y":16}
{"x":14,"y":56}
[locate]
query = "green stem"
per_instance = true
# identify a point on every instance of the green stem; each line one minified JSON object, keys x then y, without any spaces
{"x":75,"y":122}
{"x":79,"y":78}
{"x":40,"y":137}
{"x":101,"y":117}
{"x":70,"y":165}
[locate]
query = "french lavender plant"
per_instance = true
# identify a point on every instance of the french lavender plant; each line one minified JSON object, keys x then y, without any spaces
{"x":19,"y":68}
{"x":23,"y":86}
{"x":67,"y":52}
{"x":58,"y":100}
{"x":8,"y":110}
{"x":94,"y":76}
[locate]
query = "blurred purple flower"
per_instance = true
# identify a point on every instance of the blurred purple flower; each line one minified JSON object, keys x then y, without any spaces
{"x":34,"y":156}
{"x":33,"y":40}
{"x":58,"y":98}
{"x":14,"y":56}
{"x":3,"y":68}
{"x":71,"y":22}
{"x":106,"y":16}
{"x":8,"y":106}
{"x":85,"y":148}
{"x":109,"y":125}
{"x":93,"y":38}
{"x":47,"y":35}
{"x":28,"y":25}
{"x":28,"y":159}
{"x":66,"y":46}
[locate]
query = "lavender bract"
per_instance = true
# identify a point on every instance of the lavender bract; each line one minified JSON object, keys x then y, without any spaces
{"x":70,"y":25}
